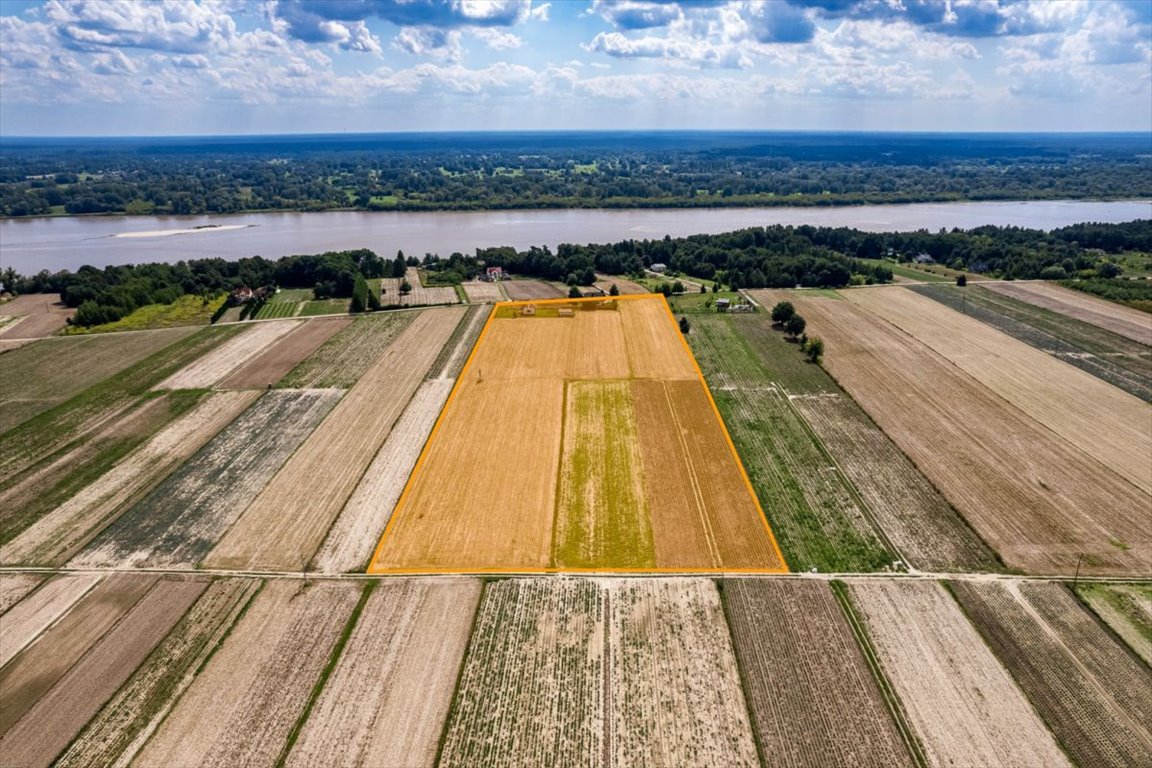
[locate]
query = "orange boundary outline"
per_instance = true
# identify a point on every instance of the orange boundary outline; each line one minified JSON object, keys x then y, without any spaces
{"x":452,"y":398}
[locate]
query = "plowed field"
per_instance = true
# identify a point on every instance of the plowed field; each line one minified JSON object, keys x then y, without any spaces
{"x":1109,"y":315}
{"x":229,"y":356}
{"x":269,"y":367}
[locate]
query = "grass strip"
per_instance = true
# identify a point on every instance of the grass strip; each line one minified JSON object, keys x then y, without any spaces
{"x":891,"y":698}
{"x":744,"y":687}
{"x":485,"y":582}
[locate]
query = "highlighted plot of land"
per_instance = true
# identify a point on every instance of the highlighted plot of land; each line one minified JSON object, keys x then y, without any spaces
{"x":580,"y":436}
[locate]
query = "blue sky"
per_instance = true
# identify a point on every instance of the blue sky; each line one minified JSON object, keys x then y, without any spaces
{"x":133,"y":67}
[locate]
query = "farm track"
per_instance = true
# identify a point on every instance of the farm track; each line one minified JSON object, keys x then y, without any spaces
{"x":963,"y":705}
{"x":63,"y":711}
{"x":1108,"y":356}
{"x":240,"y":709}
{"x":356,"y":532}
{"x":269,"y":367}
{"x":342,"y":360}
{"x":813,"y":701}
{"x":286,"y":523}
{"x":124,"y":723}
{"x":1125,"y":321}
{"x":180,"y":521}
{"x":38,"y":611}
{"x":34,"y":379}
{"x":385,"y":702}
{"x":208,"y":370}
{"x":1109,"y":425}
{"x":1065,"y":503}
{"x":1094,"y":694}
{"x":55,"y":537}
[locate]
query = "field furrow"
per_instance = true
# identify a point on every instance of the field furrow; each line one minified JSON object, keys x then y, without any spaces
{"x":32,"y":673}
{"x":125,"y":722}
{"x":386,"y":700}
{"x":655,"y":347}
{"x":1128,"y":322}
{"x":419,"y":295}
{"x":527,"y":290}
{"x":1094,"y":695}
{"x":455,"y":353}
{"x":240,"y":709}
{"x":1111,"y":426}
{"x":64,"y":531}
{"x":354,"y":536}
{"x":963,"y":705}
{"x":15,"y":586}
{"x":180,"y":521}
{"x":531,"y":691}
{"x":287,"y":522}
{"x":274,"y":363}
{"x":480,"y":292}
{"x":62,"y":712}
{"x":675,"y":687}
{"x":1063,"y":503}
{"x":1127,"y":609}
{"x":228,"y":357}
{"x":40,"y":610}
{"x":813,"y":700}
{"x":343,"y":359}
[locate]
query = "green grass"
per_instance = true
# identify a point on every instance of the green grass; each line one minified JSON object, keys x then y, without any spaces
{"x":276,"y":309}
{"x":457,"y":338}
{"x":343,"y":359}
{"x":1125,"y":600}
{"x":186,"y":310}
{"x":325,"y":307}
{"x":811,"y":507}
{"x":601,"y":519}
{"x":700,"y":303}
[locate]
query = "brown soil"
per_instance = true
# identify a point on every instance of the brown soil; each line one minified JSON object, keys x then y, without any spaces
{"x":526,"y":290}
{"x":1126,"y":321}
{"x":268,"y":368}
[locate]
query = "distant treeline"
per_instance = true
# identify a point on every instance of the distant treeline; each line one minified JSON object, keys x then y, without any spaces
{"x":1133,"y":293}
{"x":758,"y":257}
{"x":543,"y":171}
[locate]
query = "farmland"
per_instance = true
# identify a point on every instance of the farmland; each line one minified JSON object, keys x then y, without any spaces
{"x":270,"y":366}
{"x":344,"y":357}
{"x":228,"y":357}
{"x":1125,"y":321}
{"x":529,"y":376}
{"x":1094,"y":695}
{"x":1064,"y":502}
{"x":40,"y":314}
{"x":419,"y":295}
{"x":791,"y":639}
{"x":480,"y":292}
{"x":527,"y":290}
{"x":1127,"y":609}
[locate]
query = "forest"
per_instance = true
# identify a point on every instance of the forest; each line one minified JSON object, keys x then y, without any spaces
{"x":757,"y":257}
{"x":579,"y":170}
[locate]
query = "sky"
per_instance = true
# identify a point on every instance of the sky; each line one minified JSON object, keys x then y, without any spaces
{"x":180,"y":67}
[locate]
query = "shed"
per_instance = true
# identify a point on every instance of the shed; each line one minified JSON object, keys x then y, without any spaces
{"x":659,"y":267}
{"x":722,"y":305}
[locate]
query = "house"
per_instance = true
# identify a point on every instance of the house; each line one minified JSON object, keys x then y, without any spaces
{"x":241,"y":295}
{"x":722,"y":305}
{"x":923,"y":258}
{"x":528,"y":310}
{"x":659,"y":267}
{"x":592,"y":291}
{"x":493,"y":274}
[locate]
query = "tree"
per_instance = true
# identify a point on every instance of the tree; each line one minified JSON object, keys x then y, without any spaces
{"x":685,"y":326}
{"x":962,"y":280}
{"x":814,"y":349}
{"x":399,"y":265}
{"x":715,"y":287}
{"x":703,"y":288}
{"x":359,"y":294}
{"x":405,"y":288}
{"x":573,"y":292}
{"x":10,"y":278}
{"x":782,"y":312}
{"x":373,"y":301}
{"x":614,"y":291}
{"x":677,"y":287}
{"x":795,"y":325}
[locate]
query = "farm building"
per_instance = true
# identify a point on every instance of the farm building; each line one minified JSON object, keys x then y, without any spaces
{"x":722,"y":305}
{"x":493,"y":274}
{"x":659,"y":267}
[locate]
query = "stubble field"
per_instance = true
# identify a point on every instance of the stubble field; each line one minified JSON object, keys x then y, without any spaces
{"x":1132,"y":323}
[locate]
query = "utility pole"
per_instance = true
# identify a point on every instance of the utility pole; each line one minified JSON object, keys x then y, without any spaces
{"x":1077,"y":576}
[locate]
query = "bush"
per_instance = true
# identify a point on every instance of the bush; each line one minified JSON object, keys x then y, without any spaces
{"x":782,"y":312}
{"x":962,"y":280}
{"x":685,"y":326}
{"x":795,"y":325}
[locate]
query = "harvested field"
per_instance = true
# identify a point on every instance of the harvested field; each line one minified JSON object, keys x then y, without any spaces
{"x":623,"y":284}
{"x":1127,"y":609}
{"x":62,"y":427}
{"x":419,"y":296}
{"x":121,"y":727}
{"x":1063,"y":503}
{"x":480,"y":292}
{"x":8,"y":345}
{"x":816,"y":517}
{"x":241,"y":708}
{"x":287,"y":522}
{"x":813,"y":699}
{"x":60,"y":534}
{"x":1111,"y":426}
{"x":54,"y":481}
{"x":526,"y":290}
{"x":515,"y":386}
{"x":387,"y":697}
{"x":32,"y":673}
{"x":14,"y":586}
{"x":40,"y":610}
{"x":44,"y":314}
{"x":1128,"y":322}
{"x":455,"y":353}
{"x":62,"y":712}
{"x":228,"y":357}
{"x":354,"y":536}
{"x":1108,"y":356}
{"x":963,"y":705}
{"x":602,"y":513}
{"x":344,"y":358}
{"x":180,"y":521}
{"x":922,"y":526}
{"x":533,"y":691}
{"x":672,"y":679}
{"x":271,"y":366}
{"x":1091,"y":691}
{"x":35,"y":380}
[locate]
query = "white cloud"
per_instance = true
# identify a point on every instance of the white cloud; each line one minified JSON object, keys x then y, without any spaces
{"x":496,"y":39}
{"x":429,"y":41}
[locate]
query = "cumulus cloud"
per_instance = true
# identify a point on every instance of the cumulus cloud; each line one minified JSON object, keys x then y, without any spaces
{"x":435,"y":41}
{"x":171,"y":26}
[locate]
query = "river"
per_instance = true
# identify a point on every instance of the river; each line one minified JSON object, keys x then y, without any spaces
{"x":30,"y":245}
